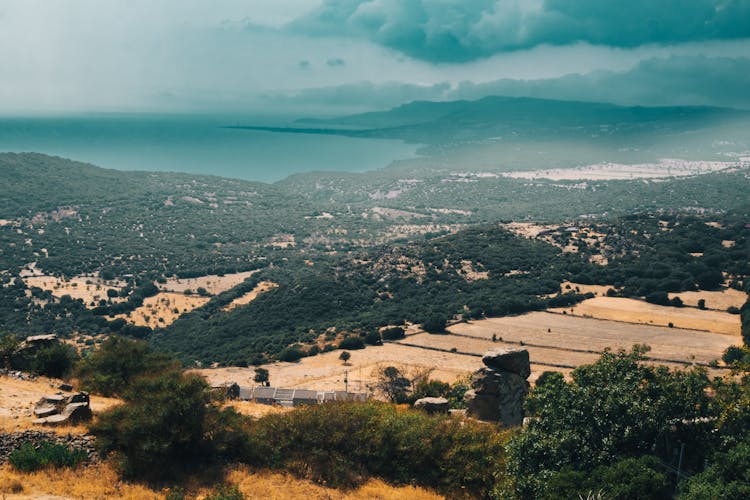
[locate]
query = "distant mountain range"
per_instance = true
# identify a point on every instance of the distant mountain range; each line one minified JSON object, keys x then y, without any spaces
{"x":517,"y":118}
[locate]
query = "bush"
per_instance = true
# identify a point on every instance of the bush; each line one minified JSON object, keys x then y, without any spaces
{"x":29,"y":458}
{"x":352,"y":344}
{"x":54,"y":360}
{"x":435,"y":324}
{"x":373,"y":338}
{"x":291,"y":354}
{"x":642,"y":478}
{"x":393,"y":333}
{"x":613,"y":409}
{"x":727,"y":478}
{"x":342,"y":444}
{"x":167,"y":425}
{"x":659,"y":298}
{"x":110,"y":369}
{"x":225,"y":493}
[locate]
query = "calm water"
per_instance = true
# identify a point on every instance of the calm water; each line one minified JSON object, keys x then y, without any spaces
{"x":196,"y":144}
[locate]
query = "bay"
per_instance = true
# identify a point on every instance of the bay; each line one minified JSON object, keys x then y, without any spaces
{"x":197,"y":144}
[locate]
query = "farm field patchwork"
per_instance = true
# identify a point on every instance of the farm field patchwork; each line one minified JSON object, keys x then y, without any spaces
{"x":638,"y":311}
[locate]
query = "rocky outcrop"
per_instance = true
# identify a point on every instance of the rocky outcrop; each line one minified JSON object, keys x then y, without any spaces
{"x":10,"y":441}
{"x":499,"y":389}
{"x":58,"y":409}
{"x":432,"y":405}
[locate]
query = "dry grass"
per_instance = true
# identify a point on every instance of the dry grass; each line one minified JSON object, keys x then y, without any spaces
{"x":569,"y":286}
{"x":326,"y":371}
{"x":212,"y":283}
{"x":88,"y":288}
{"x":279,"y":486}
{"x":93,"y":482}
{"x":719,"y":300}
{"x":102,"y":482}
{"x":158,"y":311}
{"x":558,"y":332}
{"x":250,"y":296}
{"x":638,"y":311}
{"x":256,"y":410}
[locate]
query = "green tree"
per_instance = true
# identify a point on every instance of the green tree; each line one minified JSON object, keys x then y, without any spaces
{"x":8,"y":347}
{"x":612,"y":409}
{"x":261,"y":375}
{"x":435,"y":324}
{"x":345,"y":356}
{"x":393,"y":384}
{"x":168,"y":424}
{"x":727,"y":478}
{"x":110,"y":369}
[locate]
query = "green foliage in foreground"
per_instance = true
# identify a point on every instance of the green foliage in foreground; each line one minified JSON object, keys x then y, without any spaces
{"x":342,"y":444}
{"x":615,"y":429}
{"x":727,"y":478}
{"x":614,"y":409}
{"x":630,"y":478}
{"x":168,"y":425}
{"x":28,"y":458}
{"x":110,"y":369}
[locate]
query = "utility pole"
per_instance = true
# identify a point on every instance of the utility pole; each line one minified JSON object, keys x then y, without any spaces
{"x":346,"y":380}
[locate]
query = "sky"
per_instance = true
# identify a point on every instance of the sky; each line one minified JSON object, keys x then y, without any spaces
{"x":338,"y":56}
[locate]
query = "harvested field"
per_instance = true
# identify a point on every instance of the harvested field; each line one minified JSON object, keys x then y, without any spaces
{"x":568,"y":286}
{"x":638,"y":311}
{"x":555,"y":342}
{"x":212,"y":283}
{"x":326,"y":371}
{"x":250,"y":296}
{"x":551,"y":337}
{"x":719,"y":300}
{"x":88,"y":288}
{"x":159,"y":311}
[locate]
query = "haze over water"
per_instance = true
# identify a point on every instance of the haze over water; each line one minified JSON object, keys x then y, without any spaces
{"x":196,"y":144}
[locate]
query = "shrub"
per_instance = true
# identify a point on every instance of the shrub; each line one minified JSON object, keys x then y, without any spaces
{"x":167,"y":425}
{"x":53,"y":360}
{"x":435,"y":324}
{"x":659,"y":298}
{"x":373,"y":338}
{"x":29,"y":458}
{"x":352,"y":343}
{"x":613,"y":409}
{"x":225,"y":493}
{"x":393,"y":333}
{"x":344,"y":443}
{"x":291,"y":354}
{"x":110,"y":369}
{"x":641,"y":478}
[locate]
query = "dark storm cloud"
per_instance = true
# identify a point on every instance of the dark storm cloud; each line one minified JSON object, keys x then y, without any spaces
{"x":457,"y":31}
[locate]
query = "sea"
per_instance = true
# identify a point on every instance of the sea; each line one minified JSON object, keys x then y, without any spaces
{"x":197,"y":144}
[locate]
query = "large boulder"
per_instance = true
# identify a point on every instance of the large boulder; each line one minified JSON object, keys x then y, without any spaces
{"x":432,"y":405}
{"x":504,"y":404}
{"x":509,"y":360}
